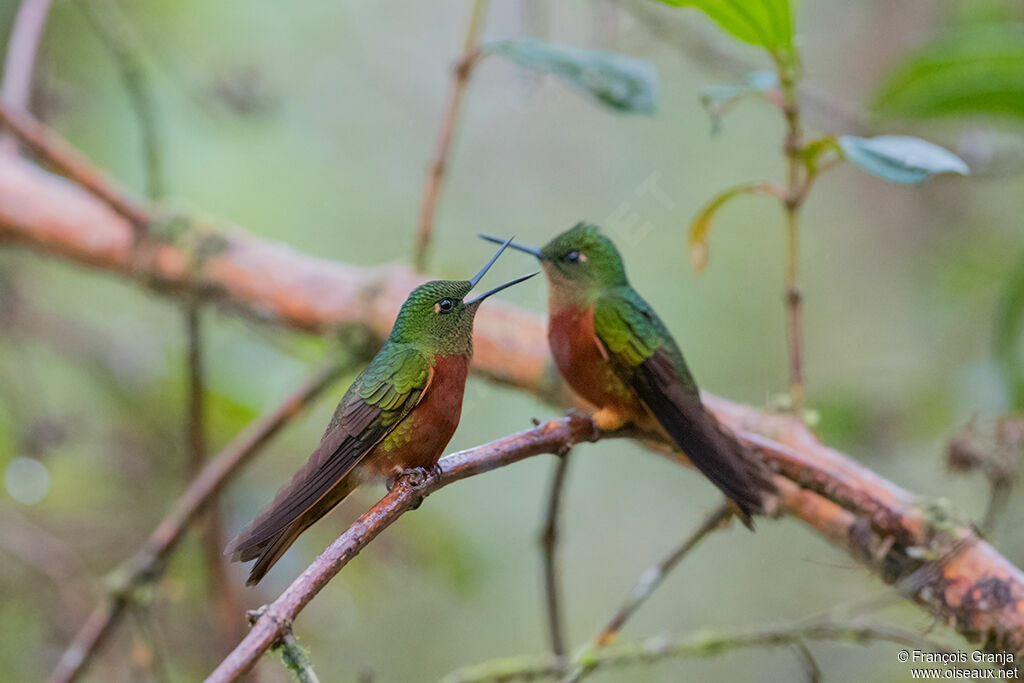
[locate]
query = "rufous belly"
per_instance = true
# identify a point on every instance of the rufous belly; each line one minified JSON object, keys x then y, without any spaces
{"x":582,"y":362}
{"x":420,"y":439}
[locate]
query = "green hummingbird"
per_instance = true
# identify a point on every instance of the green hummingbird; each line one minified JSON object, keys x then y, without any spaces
{"x":398,"y":415}
{"x":615,"y":353}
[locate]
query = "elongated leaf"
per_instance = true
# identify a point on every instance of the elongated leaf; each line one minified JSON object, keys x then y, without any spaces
{"x":901,"y":158}
{"x":979,"y":70}
{"x":622,"y":83}
{"x":765,"y":23}
{"x":701,"y":225}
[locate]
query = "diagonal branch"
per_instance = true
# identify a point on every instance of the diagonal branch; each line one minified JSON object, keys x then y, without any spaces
{"x":446,"y":133}
{"x":652,"y":578}
{"x":147,"y":564}
{"x":585,"y":662}
{"x":553,"y":436}
{"x":968,"y":584}
{"x":695,"y":646}
{"x":20,"y":60}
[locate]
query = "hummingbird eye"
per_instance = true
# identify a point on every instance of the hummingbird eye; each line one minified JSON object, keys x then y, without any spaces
{"x":572,"y":257}
{"x":444,"y":306}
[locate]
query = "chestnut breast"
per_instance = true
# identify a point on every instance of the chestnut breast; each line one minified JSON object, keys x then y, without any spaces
{"x":420,"y":439}
{"x":582,"y":362}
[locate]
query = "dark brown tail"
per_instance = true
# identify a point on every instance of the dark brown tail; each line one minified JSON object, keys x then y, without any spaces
{"x":731,"y":466}
{"x":714,"y":450}
{"x":268,"y":537}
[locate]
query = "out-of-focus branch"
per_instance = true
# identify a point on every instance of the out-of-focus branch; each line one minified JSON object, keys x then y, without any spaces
{"x":549,"y":550}
{"x":584,"y":662}
{"x":117,"y":37}
{"x":966,"y":582}
{"x":20,"y":61}
{"x":55,"y":152}
{"x":147,"y":564}
{"x":406,"y":494}
{"x":225,"y":596}
{"x":696,"y":646}
{"x":445,"y":134}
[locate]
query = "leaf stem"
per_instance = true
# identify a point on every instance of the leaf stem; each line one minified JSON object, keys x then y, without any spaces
{"x":795,"y":195}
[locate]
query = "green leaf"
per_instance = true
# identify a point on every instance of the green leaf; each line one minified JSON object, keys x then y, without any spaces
{"x":701,"y":225}
{"x":622,"y":83}
{"x":976,"y":70}
{"x":901,"y":158}
{"x":765,"y":23}
{"x":814,"y":150}
{"x":716,"y":99}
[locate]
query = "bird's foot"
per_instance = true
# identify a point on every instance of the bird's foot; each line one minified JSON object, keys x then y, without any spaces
{"x":418,"y":476}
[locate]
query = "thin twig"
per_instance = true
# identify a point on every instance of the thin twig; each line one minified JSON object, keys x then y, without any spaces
{"x":701,"y":645}
{"x":549,"y":548}
{"x":644,"y":588}
{"x":446,"y":132}
{"x":20,"y":61}
{"x":793,"y":149}
{"x":406,"y":494}
{"x":115,"y":34}
{"x":653,"y":577}
{"x":227,"y":604}
{"x":57,"y":153}
{"x":147,"y":564}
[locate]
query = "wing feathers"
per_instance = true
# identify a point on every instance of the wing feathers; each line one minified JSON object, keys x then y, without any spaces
{"x":381,"y":397}
{"x":644,"y":356}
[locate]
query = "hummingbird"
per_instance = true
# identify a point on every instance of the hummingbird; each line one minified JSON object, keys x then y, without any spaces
{"x":615,"y":352}
{"x":397,"y":416}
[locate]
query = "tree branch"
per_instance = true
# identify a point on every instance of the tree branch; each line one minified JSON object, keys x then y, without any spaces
{"x":968,"y":584}
{"x":584,"y":662}
{"x":652,"y":578}
{"x":20,"y":60}
{"x":445,"y":134}
{"x":147,"y":564}
{"x":694,"y":646}
{"x":549,"y":550}
{"x":553,"y":436}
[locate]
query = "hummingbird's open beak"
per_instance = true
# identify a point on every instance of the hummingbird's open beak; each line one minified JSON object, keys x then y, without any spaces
{"x":529,"y":250}
{"x":499,"y":287}
{"x":487,"y":266}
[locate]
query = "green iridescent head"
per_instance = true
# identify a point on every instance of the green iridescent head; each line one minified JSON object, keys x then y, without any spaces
{"x":438,"y":317}
{"x":580,"y":262}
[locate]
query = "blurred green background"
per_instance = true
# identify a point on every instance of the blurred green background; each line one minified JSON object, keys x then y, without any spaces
{"x":312,"y":123}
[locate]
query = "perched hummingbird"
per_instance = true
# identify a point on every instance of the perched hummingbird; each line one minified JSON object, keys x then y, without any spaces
{"x":399,"y":414}
{"x":615,"y":353}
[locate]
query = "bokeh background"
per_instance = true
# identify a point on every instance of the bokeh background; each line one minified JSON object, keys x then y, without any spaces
{"x":312,"y":123}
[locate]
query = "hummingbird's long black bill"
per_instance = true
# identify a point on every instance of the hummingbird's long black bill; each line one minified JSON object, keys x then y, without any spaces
{"x":499,"y":288}
{"x":529,"y":250}
{"x":487,"y":266}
